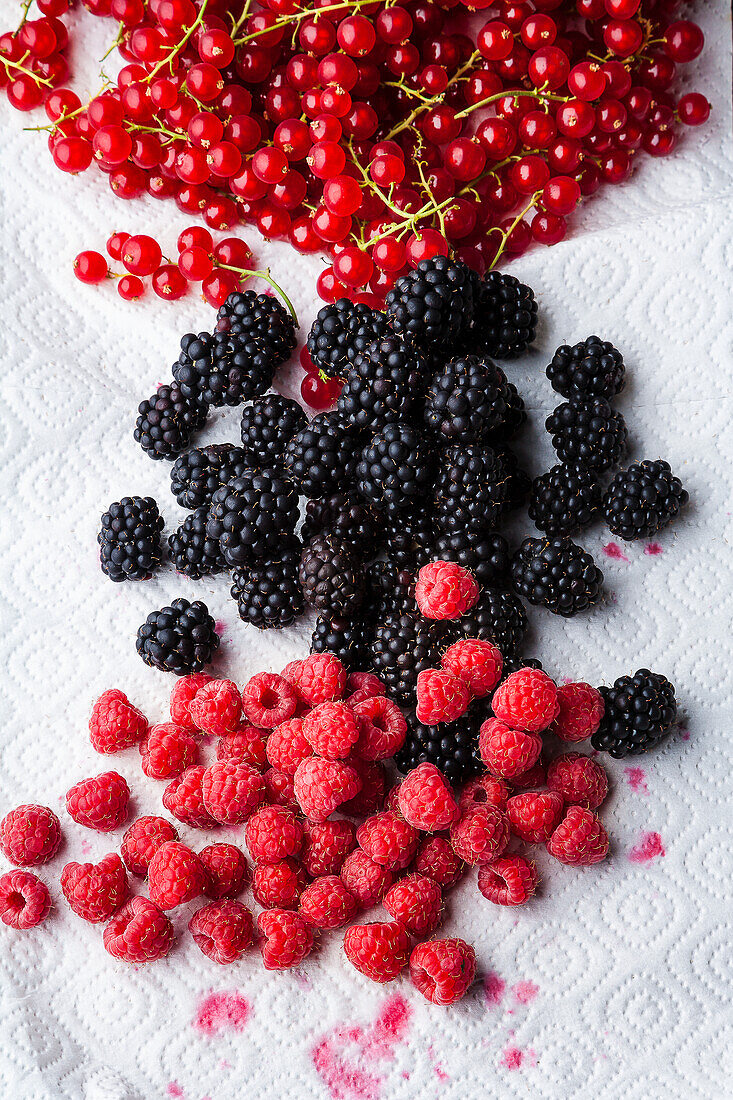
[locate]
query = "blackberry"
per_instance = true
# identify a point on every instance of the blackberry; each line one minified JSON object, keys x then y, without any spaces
{"x":396,"y":469}
{"x":224,"y":368}
{"x":505,"y":319}
{"x":196,"y":475}
{"x":267,"y":592}
{"x":643,"y":499}
{"x":469,"y":489}
{"x":340,"y":331}
{"x":485,"y":554}
{"x":589,"y":432}
{"x":251,"y":514}
{"x":498,"y":617}
{"x":389,"y":591}
{"x":192,"y":551}
{"x":261,"y":317}
{"x":468,"y":400}
{"x":515,"y":482}
{"x":180,"y":638}
{"x":166,"y":422}
{"x":565,"y":499}
{"x":515,"y":416}
{"x":268,"y":425}
{"x":408,"y":537}
{"x":322,"y":457}
{"x":592,"y":368}
{"x":434,"y":303}
{"x":453,"y":747}
{"x":129,"y":539}
{"x":557,"y":574}
{"x":514,"y":663}
{"x":342,"y":637}
{"x":640,"y":710}
{"x":404,"y":645}
{"x":385,"y":383}
{"x":330,"y":576}
{"x":346,"y":516}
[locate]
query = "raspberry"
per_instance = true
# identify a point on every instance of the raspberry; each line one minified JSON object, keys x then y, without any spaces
{"x":578,"y":779}
{"x":321,"y":786}
{"x":291,"y":672}
{"x":579,"y":839}
{"x":382,"y":728}
{"x":280,"y":789}
{"x":370,"y":796}
{"x":331,"y":730}
{"x":581,"y":708}
{"x":288,"y":938}
{"x":326,"y":903}
{"x":360,"y":686}
{"x":115,"y":723}
{"x":437,"y":860}
{"x":227,"y":870}
{"x":441,"y":697}
{"x":167,"y":751}
{"x":183,"y":694}
{"x":139,"y":932}
{"x":327,"y":845}
{"x":388,"y":839}
{"x":526,"y":700}
{"x":484,"y":790}
{"x":378,"y":950}
{"x":425,"y":799}
{"x":442,"y":970}
{"x":534,"y":814}
{"x":365,"y":879}
{"x":217,"y":707}
{"x":321,"y":679}
{"x":30,"y":835}
{"x":184,"y":798}
{"x":175,"y":875}
{"x":244,"y":746}
{"x":506,"y":751}
{"x":278,"y":885}
{"x":268,"y":700}
{"x":99,"y":803}
{"x":142,"y":840}
{"x":232,"y":791}
{"x":95,"y":891}
{"x":478,"y":663}
{"x":223,"y":930}
{"x":287,"y":746}
{"x":24,"y":900}
{"x":445,"y":590}
{"x":480,"y":835}
{"x":531,"y":779}
{"x":416,"y":902}
{"x":273,"y":833}
{"x":509,"y":880}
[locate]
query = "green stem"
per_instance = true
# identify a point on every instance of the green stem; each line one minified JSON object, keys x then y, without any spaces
{"x":179,"y":45}
{"x":24,"y":18}
{"x":507,"y":234}
{"x":515,"y":93}
{"x":436,"y":102}
{"x":287,"y":20}
{"x":24,"y":69}
{"x":267,"y":277}
{"x":118,"y":38}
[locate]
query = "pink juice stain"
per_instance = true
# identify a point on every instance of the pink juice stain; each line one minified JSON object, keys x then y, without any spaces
{"x":513,"y":1058}
{"x":636,"y":779}
{"x":649,"y":847}
{"x":494,"y":988}
{"x":437,"y":1067}
{"x":344,"y":1071}
{"x":175,"y":1090}
{"x":222,"y":1012}
{"x":613,"y":550}
{"x":525,"y":992}
{"x":652,"y":549}
{"x":220,"y":628}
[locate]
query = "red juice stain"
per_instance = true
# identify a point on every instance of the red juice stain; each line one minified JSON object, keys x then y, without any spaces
{"x":220,"y":628}
{"x":343,"y":1072}
{"x":613,"y":550}
{"x":649,"y":847}
{"x":222,"y":1012}
{"x":525,"y":992}
{"x":175,"y":1090}
{"x":652,"y":549}
{"x":494,"y":988}
{"x":437,"y":1067}
{"x":514,"y":1058}
{"x":636,"y":779}
{"x":685,"y":735}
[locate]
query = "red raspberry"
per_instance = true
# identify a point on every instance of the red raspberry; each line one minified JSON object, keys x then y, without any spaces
{"x":115,"y":723}
{"x":382,"y":728}
{"x":321,"y":786}
{"x":361,"y":686}
{"x":268,"y":700}
{"x":527,"y":700}
{"x":288,"y":938}
{"x":509,"y":880}
{"x":378,"y":950}
{"x":291,"y":672}
{"x":506,"y":751}
{"x":370,"y":796}
{"x":366,"y":880}
{"x":388,"y":839}
{"x":24,"y":900}
{"x":278,"y":885}
{"x":175,"y":875}
{"x":216,"y":708}
{"x":581,"y":708}
{"x":321,"y":679}
{"x":441,"y":697}
{"x":273,"y":833}
{"x":184,"y":798}
{"x":579,"y":839}
{"x":534,"y":814}
{"x":392,"y":801}
{"x":327,"y":845}
{"x":531,"y":780}
{"x":223,"y":930}
{"x":484,"y":790}
{"x":578,"y":779}
{"x":95,"y":891}
{"x":426,"y":800}
{"x":142,"y":840}
{"x":287,"y":746}
{"x":480,"y":835}
{"x":476,"y":662}
{"x":416,"y":902}
{"x":139,"y":932}
{"x":99,"y":803}
{"x":232,"y":792}
{"x":245,"y":746}
{"x":445,"y":590}
{"x":437,"y":860}
{"x":30,"y":835}
{"x":167,"y":751}
{"x":326,"y":903}
{"x":183,"y":694}
{"x":331,"y":730}
{"x":280,"y":789}
{"x":442,"y":970}
{"x":228,"y":870}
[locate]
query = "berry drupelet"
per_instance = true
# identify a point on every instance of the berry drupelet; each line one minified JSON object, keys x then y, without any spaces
{"x":556,"y":573}
{"x":452,"y":747}
{"x":192,"y":551}
{"x":565,"y":499}
{"x":397,"y":468}
{"x":196,"y":475}
{"x":346,"y":516}
{"x":167,"y":420}
{"x":640,"y":710}
{"x":498,"y":617}
{"x":643,"y":499}
{"x":260,"y":317}
{"x":267,"y":592}
{"x":331,"y":576}
{"x":180,"y":638}
{"x":485,"y":554}
{"x":434,"y":302}
{"x":403,"y":645}
{"x":589,"y":432}
{"x":469,"y":489}
{"x":409,"y":535}
{"x":385,"y":383}
{"x":251,"y":514}
{"x":389,"y":591}
{"x":129,"y":539}
{"x":340,"y":331}
{"x":342,"y":637}
{"x":467,"y":400}
{"x":592,"y":368}
{"x":321,"y":459}
{"x":268,"y":425}
{"x":505,"y":318}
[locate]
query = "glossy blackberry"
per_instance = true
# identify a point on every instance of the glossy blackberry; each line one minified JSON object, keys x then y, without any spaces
{"x":589,"y":432}
{"x":396,"y":469}
{"x":592,"y":368}
{"x":505,"y":319}
{"x":467,"y":401}
{"x":404,"y":645}
{"x":346,"y":516}
{"x":322,"y":457}
{"x":390,"y":590}
{"x":251,"y":514}
{"x":261,"y":317}
{"x":408,"y":536}
{"x":557,"y":574}
{"x":224,"y":368}
{"x":268,"y":425}
{"x":341,"y":636}
{"x":340,"y":331}
{"x":453,"y":747}
{"x":515,"y":416}
{"x":267,"y":592}
{"x":515,"y":482}
{"x":166,"y":422}
{"x":331,"y":576}
{"x":385,"y":383}
{"x":643,"y":499}
{"x":565,"y":499}
{"x":129,"y":539}
{"x":498,"y":617}
{"x":433,"y":303}
{"x":513,"y":663}
{"x":469,"y":489}
{"x":640,"y":711}
{"x":180,"y":638}
{"x":485,"y":554}
{"x":197,"y":474}
{"x":192,"y":551}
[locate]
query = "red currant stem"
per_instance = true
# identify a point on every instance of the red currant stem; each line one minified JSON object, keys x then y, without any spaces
{"x":507,"y":233}
{"x":266,"y":277}
{"x":286,"y":20}
{"x":239,"y":23}
{"x":118,"y":39}
{"x":439,"y":99}
{"x":172,"y":135}
{"x":412,"y":92}
{"x":371,"y":185}
{"x":440,"y":215}
{"x":516,"y":93}
{"x":28,"y":72}
{"x":24,"y":18}
{"x":168,"y":59}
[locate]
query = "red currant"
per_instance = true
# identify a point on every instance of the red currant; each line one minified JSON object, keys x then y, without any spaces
{"x":90,"y":267}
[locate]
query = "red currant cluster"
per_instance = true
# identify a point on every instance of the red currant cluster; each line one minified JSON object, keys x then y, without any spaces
{"x":379,"y":133}
{"x":32,"y":58}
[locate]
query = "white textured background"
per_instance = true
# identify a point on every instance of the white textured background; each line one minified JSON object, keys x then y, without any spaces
{"x":615,"y":981}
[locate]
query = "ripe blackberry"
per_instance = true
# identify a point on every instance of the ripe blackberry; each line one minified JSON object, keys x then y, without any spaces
{"x":180,"y":638}
{"x":261,"y":317}
{"x":640,"y":710}
{"x":396,"y":468}
{"x":129,"y":539}
{"x":340,"y":331}
{"x":513,"y":663}
{"x":251,"y":514}
{"x":196,"y":475}
{"x":515,"y":482}
{"x":498,"y":617}
{"x":469,"y":489}
{"x":404,"y":645}
{"x":515,"y":417}
{"x":330,"y":575}
{"x":389,"y":591}
{"x":505,"y":319}
{"x":166,"y":422}
{"x":408,"y":536}
{"x":192,"y":551}
{"x":322,"y":457}
{"x":592,"y":368}
{"x":485,"y":554}
{"x":224,"y":368}
{"x":589,"y":432}
{"x":267,"y":592}
{"x":268,"y":425}
{"x":643,"y":499}
{"x":565,"y":499}
{"x":385,"y":383}
{"x":346,"y":516}
{"x":342,"y":637}
{"x":452,"y":747}
{"x":434,"y":303}
{"x":468,"y":401}
{"x":557,"y":574}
